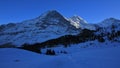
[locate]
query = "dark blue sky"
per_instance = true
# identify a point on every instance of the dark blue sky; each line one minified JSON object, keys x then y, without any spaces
{"x":91,"y":10}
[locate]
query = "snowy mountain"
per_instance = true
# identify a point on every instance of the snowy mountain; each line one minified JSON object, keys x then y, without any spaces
{"x":50,"y":25}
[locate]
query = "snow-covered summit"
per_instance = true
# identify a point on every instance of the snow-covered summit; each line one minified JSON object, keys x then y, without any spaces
{"x":76,"y":18}
{"x":79,"y":22}
{"x":53,"y":17}
{"x":108,"y":22}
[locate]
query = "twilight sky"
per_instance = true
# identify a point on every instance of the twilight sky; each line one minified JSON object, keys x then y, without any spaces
{"x":91,"y":10}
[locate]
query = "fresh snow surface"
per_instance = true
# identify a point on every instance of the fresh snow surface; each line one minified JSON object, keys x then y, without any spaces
{"x":77,"y":57}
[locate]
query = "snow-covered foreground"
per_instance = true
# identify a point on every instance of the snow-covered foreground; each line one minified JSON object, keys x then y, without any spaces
{"x":84,"y":58}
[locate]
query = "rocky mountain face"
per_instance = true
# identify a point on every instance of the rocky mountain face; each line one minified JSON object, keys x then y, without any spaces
{"x":51,"y":25}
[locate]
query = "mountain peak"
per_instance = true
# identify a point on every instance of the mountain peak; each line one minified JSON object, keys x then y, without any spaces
{"x":77,"y":18}
{"x":52,"y":11}
{"x":51,"y":14}
{"x":109,"y":21}
{"x":77,"y":21}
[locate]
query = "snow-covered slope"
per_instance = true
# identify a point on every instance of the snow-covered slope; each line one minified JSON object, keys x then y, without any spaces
{"x":49,"y":25}
{"x":83,"y":58}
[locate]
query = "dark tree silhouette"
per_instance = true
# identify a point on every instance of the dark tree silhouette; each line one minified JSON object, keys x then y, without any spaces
{"x":50,"y":52}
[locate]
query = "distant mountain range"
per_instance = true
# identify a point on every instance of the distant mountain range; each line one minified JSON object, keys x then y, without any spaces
{"x":52,"y":25}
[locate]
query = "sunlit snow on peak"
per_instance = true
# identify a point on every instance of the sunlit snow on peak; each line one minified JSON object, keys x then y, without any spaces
{"x":75,"y":21}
